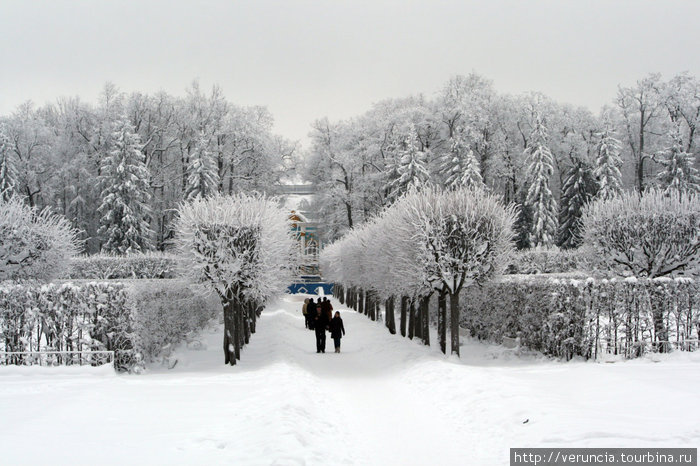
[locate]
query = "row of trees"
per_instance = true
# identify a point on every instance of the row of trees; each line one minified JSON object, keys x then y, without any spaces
{"x":437,"y":241}
{"x":118,"y":170}
{"x":547,"y":157}
{"x":428,"y":241}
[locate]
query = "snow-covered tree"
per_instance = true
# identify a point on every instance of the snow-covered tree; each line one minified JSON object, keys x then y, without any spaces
{"x":34,"y":245}
{"x":8,"y":171}
{"x":540,"y":200}
{"x":429,"y":240}
{"x":608,"y":163}
{"x":650,"y":235}
{"x":678,"y":173}
{"x":579,"y":187}
{"x":240,"y":247}
{"x":413,"y":164}
{"x":465,"y":236}
{"x":203,"y":177}
{"x":124,"y":179}
{"x":460,"y":166}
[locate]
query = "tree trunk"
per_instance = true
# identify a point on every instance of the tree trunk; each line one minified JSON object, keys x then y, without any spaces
{"x":425,"y":319}
{"x":442,"y":320}
{"x":229,"y":331}
{"x":412,"y":319}
{"x":454,"y":321}
{"x":237,"y":340}
{"x":404,"y":305}
{"x":341,"y":294}
{"x":418,"y":323}
{"x":361,"y":301}
{"x":390,"y":316}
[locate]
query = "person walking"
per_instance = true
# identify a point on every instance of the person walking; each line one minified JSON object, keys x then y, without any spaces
{"x":303,"y":311}
{"x":327,"y":308}
{"x":311,"y":314}
{"x":337,"y":328}
{"x":320,"y":326}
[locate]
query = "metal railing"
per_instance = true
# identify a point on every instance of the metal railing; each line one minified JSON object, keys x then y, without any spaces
{"x":56,"y":358}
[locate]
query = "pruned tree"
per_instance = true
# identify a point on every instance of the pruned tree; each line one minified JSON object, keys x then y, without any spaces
{"x":241,"y":248}
{"x":34,"y":245}
{"x":465,"y":236}
{"x":651,"y":235}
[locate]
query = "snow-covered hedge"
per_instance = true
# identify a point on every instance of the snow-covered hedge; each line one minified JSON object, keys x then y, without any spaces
{"x":167,"y":312}
{"x":137,"y":320}
{"x":547,"y":260}
{"x":109,"y":266}
{"x":68,"y":317}
{"x":568,"y":317}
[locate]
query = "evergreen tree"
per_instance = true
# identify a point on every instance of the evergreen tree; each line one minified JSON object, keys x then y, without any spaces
{"x":8,"y":171}
{"x":459,"y":165}
{"x":540,"y":201}
{"x":203,"y":177}
{"x":125,"y":194}
{"x":608,"y":163}
{"x":413,"y":165}
{"x":678,"y":174}
{"x":579,"y":187}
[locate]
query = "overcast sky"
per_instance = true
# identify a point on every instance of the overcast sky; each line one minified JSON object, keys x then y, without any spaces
{"x":308,"y":59}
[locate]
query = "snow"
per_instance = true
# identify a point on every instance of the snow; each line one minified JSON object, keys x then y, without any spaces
{"x":383,"y":400}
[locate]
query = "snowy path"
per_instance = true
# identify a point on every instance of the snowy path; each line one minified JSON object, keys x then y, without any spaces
{"x":384,"y":400}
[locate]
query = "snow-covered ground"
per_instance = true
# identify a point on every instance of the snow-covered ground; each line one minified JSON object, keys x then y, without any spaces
{"x":384,"y":400}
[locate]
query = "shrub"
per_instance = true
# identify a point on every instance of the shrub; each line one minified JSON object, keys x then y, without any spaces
{"x":167,"y":312}
{"x":570,"y":317}
{"x":109,"y":267}
{"x":34,"y":245}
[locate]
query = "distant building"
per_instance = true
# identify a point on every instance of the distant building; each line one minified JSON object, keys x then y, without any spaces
{"x":306,"y":233}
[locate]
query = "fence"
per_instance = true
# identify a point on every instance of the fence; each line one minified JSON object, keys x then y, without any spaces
{"x":56,"y":358}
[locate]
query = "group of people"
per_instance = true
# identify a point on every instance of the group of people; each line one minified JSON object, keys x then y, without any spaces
{"x":318,"y":316}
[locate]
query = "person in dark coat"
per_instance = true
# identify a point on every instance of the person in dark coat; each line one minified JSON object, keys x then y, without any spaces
{"x":311,"y":313}
{"x":320,"y":326}
{"x":336,"y":326}
{"x":327,"y":308}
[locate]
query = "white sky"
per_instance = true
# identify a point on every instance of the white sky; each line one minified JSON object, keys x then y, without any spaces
{"x":308,"y":59}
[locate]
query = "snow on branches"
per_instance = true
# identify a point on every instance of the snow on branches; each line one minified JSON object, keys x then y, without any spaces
{"x":240,"y":247}
{"x":125,"y":194}
{"x":649,"y":235}
{"x":539,"y":196}
{"x":430,"y":240}
{"x":34,"y":245}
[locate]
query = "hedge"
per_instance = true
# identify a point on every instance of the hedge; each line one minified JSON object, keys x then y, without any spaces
{"x":570,"y":317}
{"x":136,"y":320}
{"x":132,"y":266}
